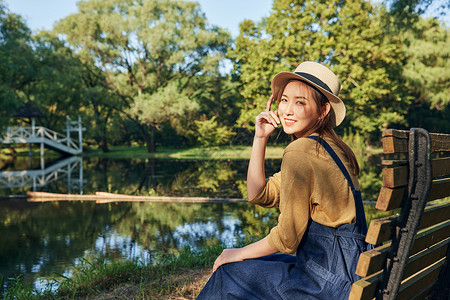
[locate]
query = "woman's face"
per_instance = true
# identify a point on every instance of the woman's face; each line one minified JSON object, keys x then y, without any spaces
{"x":297,"y":109}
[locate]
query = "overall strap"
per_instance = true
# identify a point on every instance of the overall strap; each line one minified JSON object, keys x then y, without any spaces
{"x":335,"y":157}
{"x":360,"y":216}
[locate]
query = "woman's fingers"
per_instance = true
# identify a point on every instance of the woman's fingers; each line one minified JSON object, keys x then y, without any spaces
{"x":218,"y":262}
{"x":275,"y":116}
{"x":269,"y":103}
{"x":268,"y":117}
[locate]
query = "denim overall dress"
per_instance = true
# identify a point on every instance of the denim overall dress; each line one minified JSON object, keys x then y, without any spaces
{"x":323,"y":268}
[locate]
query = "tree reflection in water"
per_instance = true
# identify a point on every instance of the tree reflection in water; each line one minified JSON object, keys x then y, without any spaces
{"x":41,"y":239}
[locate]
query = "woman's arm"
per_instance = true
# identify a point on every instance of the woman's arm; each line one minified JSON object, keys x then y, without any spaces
{"x":254,"y":250}
{"x":265,"y":124}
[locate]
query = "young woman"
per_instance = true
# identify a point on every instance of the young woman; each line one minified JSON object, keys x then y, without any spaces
{"x":321,"y":217}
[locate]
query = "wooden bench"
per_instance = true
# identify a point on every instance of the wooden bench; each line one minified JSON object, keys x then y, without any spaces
{"x":411,"y":247}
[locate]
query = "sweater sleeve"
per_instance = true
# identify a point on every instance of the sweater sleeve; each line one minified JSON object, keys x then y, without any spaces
{"x":296,"y":187}
{"x":269,"y":196}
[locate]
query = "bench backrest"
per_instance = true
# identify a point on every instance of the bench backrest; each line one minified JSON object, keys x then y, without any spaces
{"x":411,"y":247}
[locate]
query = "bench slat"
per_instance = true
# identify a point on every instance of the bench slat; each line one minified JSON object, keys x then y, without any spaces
{"x":441,"y":167}
{"x":429,"y":236}
{"x":422,"y":280}
{"x":397,"y":175}
{"x":380,"y":230}
{"x":390,"y":199}
{"x":366,"y":288}
{"x":373,"y":260}
{"x":396,"y":141}
{"x":439,"y":189}
{"x":426,"y":257}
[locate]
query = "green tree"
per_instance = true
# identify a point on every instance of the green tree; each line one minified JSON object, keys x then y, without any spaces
{"x":149,"y":50}
{"x":347,"y":36}
{"x":57,"y":89}
{"x":19,"y":66}
{"x":427,"y":74}
{"x":407,"y":12}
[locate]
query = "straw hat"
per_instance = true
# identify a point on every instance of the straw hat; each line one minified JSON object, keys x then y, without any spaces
{"x":320,"y":77}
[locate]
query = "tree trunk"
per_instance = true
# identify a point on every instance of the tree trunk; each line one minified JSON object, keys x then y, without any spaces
{"x":149,"y":137}
{"x":101,"y":136}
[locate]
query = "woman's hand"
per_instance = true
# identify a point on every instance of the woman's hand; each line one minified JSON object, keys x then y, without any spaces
{"x":266,"y":122}
{"x":258,"y":249}
{"x":228,"y":256}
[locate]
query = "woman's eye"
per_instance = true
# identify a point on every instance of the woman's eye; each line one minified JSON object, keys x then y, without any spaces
{"x":299,"y":102}
{"x":283,"y":100}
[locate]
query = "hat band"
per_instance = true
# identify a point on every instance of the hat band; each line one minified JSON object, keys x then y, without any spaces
{"x":315,"y":80}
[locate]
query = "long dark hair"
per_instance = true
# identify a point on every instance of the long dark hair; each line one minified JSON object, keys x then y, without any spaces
{"x":325,"y":126}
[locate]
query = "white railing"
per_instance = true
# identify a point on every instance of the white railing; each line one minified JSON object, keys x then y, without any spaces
{"x":43,"y":135}
{"x":38,"y":134}
{"x":41,"y":178}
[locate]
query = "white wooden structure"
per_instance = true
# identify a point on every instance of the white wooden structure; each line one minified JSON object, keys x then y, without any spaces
{"x":46,"y":137}
{"x":65,"y":168}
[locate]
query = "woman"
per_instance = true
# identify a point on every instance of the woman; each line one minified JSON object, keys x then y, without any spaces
{"x":321,"y":217}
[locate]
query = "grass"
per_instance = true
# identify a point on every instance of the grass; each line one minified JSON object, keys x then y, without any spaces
{"x":223,"y":152}
{"x":173,"y":277}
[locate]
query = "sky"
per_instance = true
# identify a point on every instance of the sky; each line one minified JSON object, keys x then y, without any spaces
{"x":42,"y":14}
{"x":227,"y":14}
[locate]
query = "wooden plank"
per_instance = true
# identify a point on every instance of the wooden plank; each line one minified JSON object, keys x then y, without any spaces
{"x":395,"y":177}
{"x":373,"y":260}
{"x":426,"y":258}
{"x":440,"y":189}
{"x":440,"y":142}
{"x":434,"y":214}
{"x":390,"y":199}
{"x":394,"y":162}
{"x":441,"y":167}
{"x":410,"y":286}
{"x":366,"y":288}
{"x":119,"y":197}
{"x":101,"y":197}
{"x":430,"y":236}
{"x":395,"y":141}
{"x":380,"y":230}
{"x":423,"y":293}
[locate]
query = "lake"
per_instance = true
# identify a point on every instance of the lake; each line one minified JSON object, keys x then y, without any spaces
{"x":41,"y":240}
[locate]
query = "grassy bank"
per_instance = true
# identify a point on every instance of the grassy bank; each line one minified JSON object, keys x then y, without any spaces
{"x":173,"y":277}
{"x":223,"y":152}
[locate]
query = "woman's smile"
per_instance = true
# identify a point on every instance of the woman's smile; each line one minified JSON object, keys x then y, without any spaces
{"x":289,"y":122}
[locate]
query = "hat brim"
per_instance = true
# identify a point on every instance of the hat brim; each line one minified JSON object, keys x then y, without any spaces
{"x":336,"y":103}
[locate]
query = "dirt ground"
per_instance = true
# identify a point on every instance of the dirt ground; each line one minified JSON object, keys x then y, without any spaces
{"x":182,"y":286}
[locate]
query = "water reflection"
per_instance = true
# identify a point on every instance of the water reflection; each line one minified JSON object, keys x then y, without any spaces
{"x":70,"y":168}
{"x":163,"y":177}
{"x":40,"y":240}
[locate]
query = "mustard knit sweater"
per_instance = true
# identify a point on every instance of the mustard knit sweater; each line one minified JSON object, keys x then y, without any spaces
{"x":309,"y":185}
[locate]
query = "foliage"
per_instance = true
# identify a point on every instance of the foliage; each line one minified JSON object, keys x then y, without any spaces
{"x":18,"y":66}
{"x":407,"y":12}
{"x":100,"y":276}
{"x":149,"y":51}
{"x":208,"y":132}
{"x":428,"y":62}
{"x":345,"y":35}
